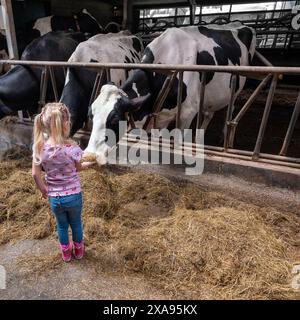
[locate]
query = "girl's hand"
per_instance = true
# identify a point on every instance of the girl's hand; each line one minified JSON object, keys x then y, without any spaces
{"x":88,"y":164}
{"x":44,"y":194}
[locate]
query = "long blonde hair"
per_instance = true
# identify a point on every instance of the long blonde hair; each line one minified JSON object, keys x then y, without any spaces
{"x":50,"y":123}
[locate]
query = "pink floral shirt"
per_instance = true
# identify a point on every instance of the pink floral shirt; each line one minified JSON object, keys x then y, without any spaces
{"x":59,"y":164}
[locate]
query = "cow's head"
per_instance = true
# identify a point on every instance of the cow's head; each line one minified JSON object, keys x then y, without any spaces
{"x":111,"y":107}
{"x":88,"y":23}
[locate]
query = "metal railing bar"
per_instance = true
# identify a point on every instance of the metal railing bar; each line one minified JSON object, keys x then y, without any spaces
{"x":53,"y":83}
{"x":44,"y":87}
{"x":291,"y":128}
{"x":265,"y":118}
{"x":160,"y":98}
{"x":201,"y":100}
{"x":230,"y":107}
{"x":234,"y":123}
{"x":179,"y":98}
{"x":240,"y":156}
{"x":161,"y":67}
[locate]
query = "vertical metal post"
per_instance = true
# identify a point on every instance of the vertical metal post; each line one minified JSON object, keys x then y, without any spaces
{"x":65,"y":72}
{"x":233,"y":82}
{"x":20,"y":114}
{"x":175,"y":17}
{"x":53,"y":83}
{"x":10,"y":31}
{"x":229,"y":13}
{"x":179,"y":98}
{"x":244,"y":109}
{"x":201,"y":101}
{"x":200,"y":14}
{"x":291,"y":128}
{"x":125,"y":12}
{"x":130,"y":120}
{"x":164,"y":91}
{"x":43,"y":87}
{"x":108,"y":75}
{"x":98,"y":79}
{"x":265,"y":118}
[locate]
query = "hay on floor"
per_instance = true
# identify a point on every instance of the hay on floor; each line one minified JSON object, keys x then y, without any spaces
{"x":181,"y":238}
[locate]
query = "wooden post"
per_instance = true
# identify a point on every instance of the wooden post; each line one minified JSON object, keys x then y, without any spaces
{"x":10,"y":31}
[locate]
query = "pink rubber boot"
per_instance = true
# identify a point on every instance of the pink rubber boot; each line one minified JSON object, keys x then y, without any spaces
{"x":78,"y":250}
{"x":66,"y":251}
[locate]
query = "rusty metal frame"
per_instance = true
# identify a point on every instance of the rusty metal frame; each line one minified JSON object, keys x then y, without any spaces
{"x":265,"y":73}
{"x":291,"y":128}
{"x":230,"y":107}
{"x":160,"y":100}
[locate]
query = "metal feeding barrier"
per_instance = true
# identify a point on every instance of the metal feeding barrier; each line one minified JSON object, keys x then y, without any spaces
{"x":173,"y":72}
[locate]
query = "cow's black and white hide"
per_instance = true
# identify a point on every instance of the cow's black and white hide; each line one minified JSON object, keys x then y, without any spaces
{"x":229,"y":44}
{"x":119,"y":47}
{"x":82,"y":21}
{"x":20,"y":87}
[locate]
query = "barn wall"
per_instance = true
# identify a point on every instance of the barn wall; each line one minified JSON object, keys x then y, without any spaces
{"x":103,"y":12}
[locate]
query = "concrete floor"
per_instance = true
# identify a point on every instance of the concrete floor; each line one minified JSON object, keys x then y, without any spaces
{"x":73,"y":280}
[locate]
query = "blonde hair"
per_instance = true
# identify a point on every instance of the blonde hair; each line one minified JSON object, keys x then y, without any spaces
{"x":50,"y":123}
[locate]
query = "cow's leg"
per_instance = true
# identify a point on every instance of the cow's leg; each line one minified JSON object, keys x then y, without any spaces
{"x":206,"y":121}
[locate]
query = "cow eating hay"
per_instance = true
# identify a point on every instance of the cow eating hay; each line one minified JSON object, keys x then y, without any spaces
{"x":232,"y":44}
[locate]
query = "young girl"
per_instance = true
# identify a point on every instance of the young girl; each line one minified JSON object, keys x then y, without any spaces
{"x":60,"y":157}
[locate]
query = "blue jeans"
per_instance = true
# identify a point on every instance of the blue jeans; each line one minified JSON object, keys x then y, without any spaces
{"x":67,"y":211}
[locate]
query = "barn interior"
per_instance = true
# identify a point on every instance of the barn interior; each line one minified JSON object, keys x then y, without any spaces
{"x":270,"y":19}
{"x":150,"y":231}
{"x":277,"y":39}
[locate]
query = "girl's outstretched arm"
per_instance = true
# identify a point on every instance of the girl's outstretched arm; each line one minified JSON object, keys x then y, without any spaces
{"x":37,"y":176}
{"x":84,"y":165}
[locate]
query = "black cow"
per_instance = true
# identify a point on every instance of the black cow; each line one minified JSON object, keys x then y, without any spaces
{"x":20,"y":87}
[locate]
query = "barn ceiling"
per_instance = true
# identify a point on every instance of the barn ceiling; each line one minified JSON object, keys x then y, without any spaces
{"x":141,"y":3}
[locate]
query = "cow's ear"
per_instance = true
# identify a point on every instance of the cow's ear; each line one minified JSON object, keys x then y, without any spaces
{"x":137,"y":103}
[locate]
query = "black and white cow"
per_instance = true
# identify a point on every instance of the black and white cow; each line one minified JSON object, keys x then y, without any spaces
{"x":82,"y":21}
{"x":229,"y":44}
{"x":20,"y":87}
{"x":119,"y":47}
